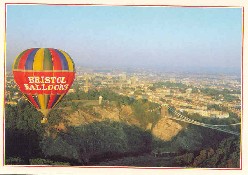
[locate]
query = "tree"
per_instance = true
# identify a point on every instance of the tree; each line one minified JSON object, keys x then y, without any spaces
{"x":40,"y":161}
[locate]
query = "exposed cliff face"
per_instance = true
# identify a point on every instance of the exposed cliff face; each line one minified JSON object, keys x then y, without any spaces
{"x":166,"y":129}
{"x":111,"y":114}
{"x":79,"y":117}
{"x":127,"y":116}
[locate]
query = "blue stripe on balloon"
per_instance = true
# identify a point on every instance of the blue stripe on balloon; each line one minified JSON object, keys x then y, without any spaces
{"x":55,"y":100}
{"x":30,"y":60}
{"x":63,"y":60}
{"x":47,"y":101}
{"x":36,"y":100}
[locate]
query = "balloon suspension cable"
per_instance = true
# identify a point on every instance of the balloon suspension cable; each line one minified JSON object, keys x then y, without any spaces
{"x":45,"y":113}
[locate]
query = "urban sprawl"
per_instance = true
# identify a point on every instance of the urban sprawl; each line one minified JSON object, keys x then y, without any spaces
{"x":192,"y":93}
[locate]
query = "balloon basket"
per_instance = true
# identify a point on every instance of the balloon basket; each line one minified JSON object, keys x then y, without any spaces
{"x":44,"y":121}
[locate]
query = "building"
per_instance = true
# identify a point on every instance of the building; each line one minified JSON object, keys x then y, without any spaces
{"x":86,"y":86}
{"x":123,"y":77}
{"x":100,"y":100}
{"x":188,"y":91}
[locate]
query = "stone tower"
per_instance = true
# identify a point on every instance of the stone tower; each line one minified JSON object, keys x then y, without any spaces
{"x":100,"y":100}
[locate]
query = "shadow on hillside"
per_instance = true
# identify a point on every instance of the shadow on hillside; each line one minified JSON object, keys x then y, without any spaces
{"x":100,"y":141}
{"x":23,"y":144}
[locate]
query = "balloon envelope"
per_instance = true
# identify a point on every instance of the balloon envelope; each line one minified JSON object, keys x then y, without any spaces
{"x":44,"y":76}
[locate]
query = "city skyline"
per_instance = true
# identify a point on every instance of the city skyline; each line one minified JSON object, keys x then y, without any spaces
{"x":163,"y":38}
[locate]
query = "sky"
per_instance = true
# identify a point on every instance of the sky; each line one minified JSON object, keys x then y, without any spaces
{"x":164,"y":38}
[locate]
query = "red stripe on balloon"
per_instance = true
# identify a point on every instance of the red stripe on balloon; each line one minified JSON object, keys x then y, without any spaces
{"x":23,"y":59}
{"x":31,"y":99}
{"x":56,"y":60}
{"x":50,"y":103}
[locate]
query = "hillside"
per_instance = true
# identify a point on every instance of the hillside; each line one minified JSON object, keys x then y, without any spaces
{"x":225,"y":155}
{"x":82,"y":132}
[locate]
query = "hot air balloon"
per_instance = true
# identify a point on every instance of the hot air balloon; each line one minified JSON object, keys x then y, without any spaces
{"x":44,"y":76}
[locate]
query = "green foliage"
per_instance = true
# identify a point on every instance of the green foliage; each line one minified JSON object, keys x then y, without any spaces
{"x":216,"y":107}
{"x":139,"y":112}
{"x":218,"y":94}
{"x":30,"y":142}
{"x":14,"y":161}
{"x":188,"y":140}
{"x":152,"y":88}
{"x":23,"y":131}
{"x":227,"y":155}
{"x":140,"y":109}
{"x":94,"y":95}
{"x":74,"y":106}
{"x":184,"y":159}
{"x":55,"y":116}
{"x":224,"y":155}
{"x":11,"y":116}
{"x":58,"y":147}
{"x":97,"y":141}
{"x":169,"y":85}
{"x":39,"y":161}
{"x":21,"y":143}
{"x":12,"y":90}
{"x":23,"y":116}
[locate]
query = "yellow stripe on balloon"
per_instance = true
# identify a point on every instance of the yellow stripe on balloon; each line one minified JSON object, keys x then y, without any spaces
{"x":13,"y":65}
{"x":46,"y":96}
{"x":41,"y":99}
{"x":17,"y":60}
{"x":69,"y":60}
{"x":38,"y":60}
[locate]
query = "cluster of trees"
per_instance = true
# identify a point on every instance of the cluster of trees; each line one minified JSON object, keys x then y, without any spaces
{"x":98,"y":141}
{"x":141,"y":112}
{"x":169,"y":85}
{"x":217,"y":107}
{"x":225,"y":155}
{"x":24,"y":132}
{"x":94,"y":95}
{"x":182,"y":87}
{"x":30,"y":142}
{"x":218,"y":94}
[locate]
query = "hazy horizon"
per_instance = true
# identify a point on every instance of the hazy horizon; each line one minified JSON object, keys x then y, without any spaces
{"x":163,"y":38}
